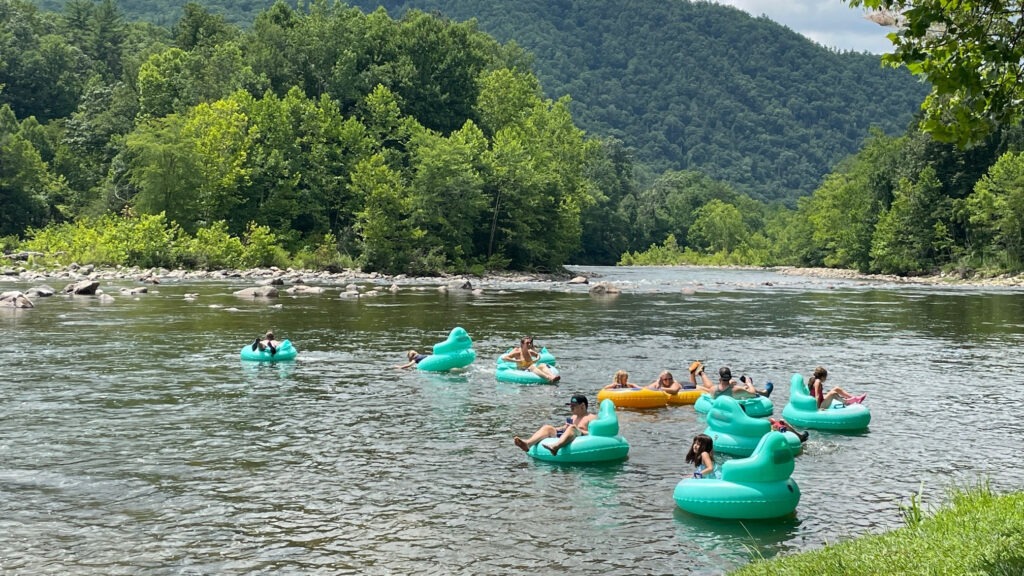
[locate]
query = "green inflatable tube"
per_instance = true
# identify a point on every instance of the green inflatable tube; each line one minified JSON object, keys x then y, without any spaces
{"x":455,"y":352}
{"x":802,"y":411}
{"x":284,"y":352}
{"x":507,"y":372}
{"x":751,"y":488}
{"x":603,"y":443}
{"x":735,"y":432}
{"x":756,"y":406}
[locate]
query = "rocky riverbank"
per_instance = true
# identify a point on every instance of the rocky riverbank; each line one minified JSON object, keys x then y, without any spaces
{"x":947,"y":279}
{"x":351,"y":281}
{"x":345,"y":279}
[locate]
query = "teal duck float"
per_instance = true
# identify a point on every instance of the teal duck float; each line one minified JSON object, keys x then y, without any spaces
{"x":735,"y":432}
{"x":756,"y":406}
{"x":285,"y":351}
{"x":455,"y":352}
{"x":756,"y":487}
{"x":508,"y":371}
{"x":603,"y":443}
{"x":802,"y":411}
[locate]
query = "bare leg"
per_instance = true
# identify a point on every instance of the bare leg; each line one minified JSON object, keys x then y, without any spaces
{"x":832,"y":394}
{"x":544,"y":372}
{"x":567,"y":436}
{"x":545,"y":431}
{"x":842,"y":393}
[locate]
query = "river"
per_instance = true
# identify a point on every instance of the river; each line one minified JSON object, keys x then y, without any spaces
{"x":135,"y":441}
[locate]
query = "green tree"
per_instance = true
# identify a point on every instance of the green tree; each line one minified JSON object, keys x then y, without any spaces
{"x":160,"y":82}
{"x":92,"y":137}
{"x":996,"y":211}
{"x":605,"y":227}
{"x":106,"y":37}
{"x":219,"y":134}
{"x":446,"y":196}
{"x":907,"y":234}
{"x":164,"y":168}
{"x":24,"y":181}
{"x":200,"y":27}
{"x":41,"y":73}
{"x":383,"y":224}
{"x":506,"y":97}
{"x":718,"y":227}
{"x":971,"y":53}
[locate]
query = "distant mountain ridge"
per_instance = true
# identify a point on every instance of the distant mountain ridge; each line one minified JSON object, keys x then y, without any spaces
{"x":700,"y":86}
{"x":687,"y":86}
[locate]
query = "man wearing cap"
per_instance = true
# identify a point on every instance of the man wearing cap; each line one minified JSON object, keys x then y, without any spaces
{"x":727,"y":385}
{"x":574,"y":426}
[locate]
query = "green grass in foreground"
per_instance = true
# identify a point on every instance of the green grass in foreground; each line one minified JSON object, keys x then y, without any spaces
{"x":978,"y":532}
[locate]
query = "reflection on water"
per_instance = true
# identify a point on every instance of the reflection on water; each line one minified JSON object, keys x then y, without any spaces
{"x":136,"y":441}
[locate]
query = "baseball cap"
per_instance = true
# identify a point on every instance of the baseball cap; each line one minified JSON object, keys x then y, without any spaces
{"x":578,"y":399}
{"x":724,"y":373}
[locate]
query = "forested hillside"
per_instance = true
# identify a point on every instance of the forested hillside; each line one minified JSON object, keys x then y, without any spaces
{"x":327,"y":137}
{"x":695,"y":85}
{"x":685,"y":85}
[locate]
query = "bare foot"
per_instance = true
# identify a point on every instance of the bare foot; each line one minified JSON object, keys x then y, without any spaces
{"x":521,"y":443}
{"x":552,"y":449}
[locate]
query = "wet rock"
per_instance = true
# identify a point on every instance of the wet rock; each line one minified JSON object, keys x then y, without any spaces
{"x":257,"y":292}
{"x":604,"y":288}
{"x":15,"y":299}
{"x":42,"y":291}
{"x":82,"y":288}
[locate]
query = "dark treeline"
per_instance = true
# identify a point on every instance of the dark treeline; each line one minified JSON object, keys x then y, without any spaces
{"x":328,"y":136}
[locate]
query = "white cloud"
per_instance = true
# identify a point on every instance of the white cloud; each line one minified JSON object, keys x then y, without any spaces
{"x":830,"y":23}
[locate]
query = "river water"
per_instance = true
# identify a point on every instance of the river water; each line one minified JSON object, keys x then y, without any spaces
{"x":135,"y":441}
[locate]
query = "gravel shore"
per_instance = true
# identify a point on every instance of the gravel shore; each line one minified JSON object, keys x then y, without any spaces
{"x":944,"y":279}
{"x":74,"y":273}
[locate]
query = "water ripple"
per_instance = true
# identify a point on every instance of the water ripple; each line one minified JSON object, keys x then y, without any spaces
{"x":136,"y":442}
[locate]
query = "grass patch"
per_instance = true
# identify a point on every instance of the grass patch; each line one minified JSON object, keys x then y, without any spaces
{"x":977,"y":532}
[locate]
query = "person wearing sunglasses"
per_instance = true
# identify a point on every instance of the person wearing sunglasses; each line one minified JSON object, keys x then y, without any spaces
{"x":666,"y":383}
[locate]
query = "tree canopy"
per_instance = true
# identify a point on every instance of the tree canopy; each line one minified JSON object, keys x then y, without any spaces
{"x":970,"y":52}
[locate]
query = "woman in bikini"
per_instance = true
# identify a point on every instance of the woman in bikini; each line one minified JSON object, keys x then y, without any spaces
{"x":526,"y":357}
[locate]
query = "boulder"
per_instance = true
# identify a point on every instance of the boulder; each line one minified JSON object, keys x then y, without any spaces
{"x":257,"y":292}
{"x":604,"y":288}
{"x":42,"y":291}
{"x":304,"y":289}
{"x":82,"y":288}
{"x":579,"y":280}
{"x":15,"y":299}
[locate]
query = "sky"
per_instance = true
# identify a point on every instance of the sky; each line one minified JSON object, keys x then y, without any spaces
{"x":831,"y":23}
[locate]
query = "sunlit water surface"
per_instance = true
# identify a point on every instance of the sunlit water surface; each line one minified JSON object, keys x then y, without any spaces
{"x":135,"y":441}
